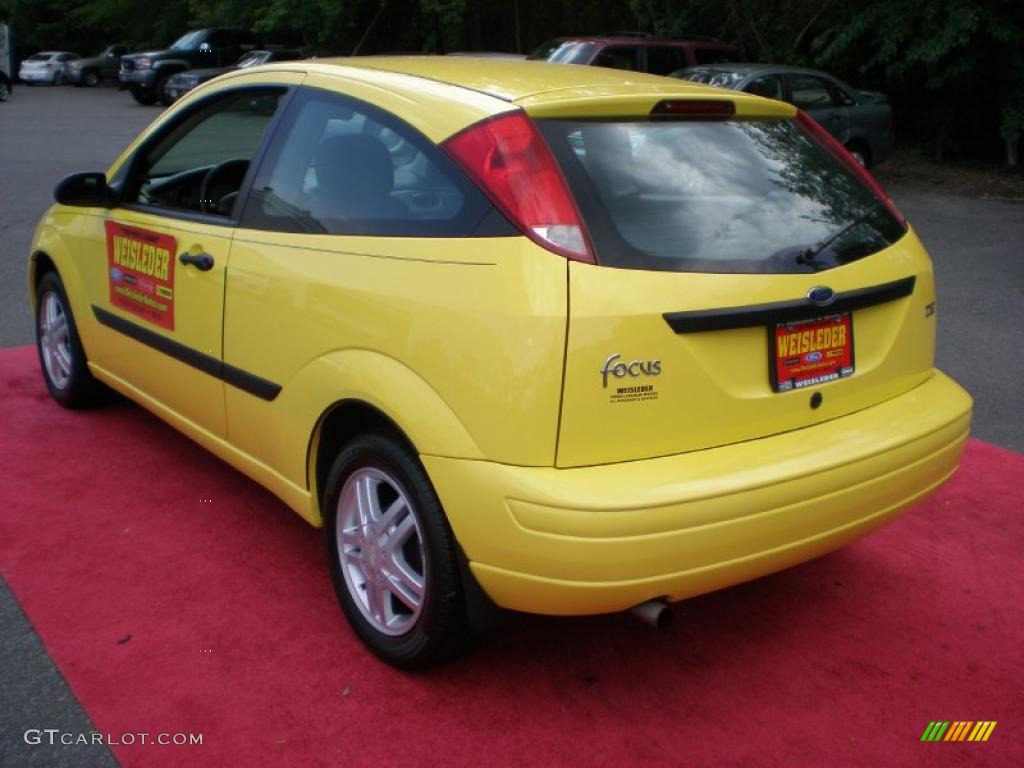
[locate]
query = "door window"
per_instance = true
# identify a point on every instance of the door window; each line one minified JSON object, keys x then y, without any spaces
{"x":340,"y":166}
{"x":769,"y":86}
{"x":809,"y":92}
{"x":200,"y":165}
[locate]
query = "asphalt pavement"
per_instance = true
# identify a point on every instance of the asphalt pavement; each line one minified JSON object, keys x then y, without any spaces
{"x":977,"y":247}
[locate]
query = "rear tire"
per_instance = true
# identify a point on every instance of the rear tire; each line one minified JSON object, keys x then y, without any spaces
{"x":61,"y":356}
{"x":5,"y":91}
{"x":392,"y":555}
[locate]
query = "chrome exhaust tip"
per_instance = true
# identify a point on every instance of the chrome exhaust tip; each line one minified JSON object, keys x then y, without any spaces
{"x":655,"y":613}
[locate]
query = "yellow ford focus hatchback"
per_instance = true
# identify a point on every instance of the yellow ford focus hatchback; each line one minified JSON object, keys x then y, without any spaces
{"x":562,"y":340}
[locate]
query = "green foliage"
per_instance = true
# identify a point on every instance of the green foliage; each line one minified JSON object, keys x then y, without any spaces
{"x":953,"y":69}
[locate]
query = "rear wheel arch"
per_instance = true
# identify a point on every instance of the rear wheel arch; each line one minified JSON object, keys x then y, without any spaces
{"x":337,"y":426}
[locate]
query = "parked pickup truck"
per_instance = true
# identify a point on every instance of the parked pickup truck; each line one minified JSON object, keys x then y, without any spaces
{"x":93,"y":71}
{"x":145,"y":74}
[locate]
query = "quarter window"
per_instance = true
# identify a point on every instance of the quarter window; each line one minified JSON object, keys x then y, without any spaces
{"x":342,"y":166}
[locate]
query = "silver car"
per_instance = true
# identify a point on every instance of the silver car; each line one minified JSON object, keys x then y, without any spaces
{"x":860,"y":120}
{"x":46,"y":67}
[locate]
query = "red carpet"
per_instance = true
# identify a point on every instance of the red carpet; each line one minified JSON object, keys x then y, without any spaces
{"x":129,"y":577}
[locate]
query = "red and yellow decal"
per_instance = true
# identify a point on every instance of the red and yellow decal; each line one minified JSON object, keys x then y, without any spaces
{"x":811,"y":352}
{"x":140,"y":271}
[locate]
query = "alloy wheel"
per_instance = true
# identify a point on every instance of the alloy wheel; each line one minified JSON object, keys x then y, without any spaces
{"x":55,"y":340}
{"x":380,"y":550}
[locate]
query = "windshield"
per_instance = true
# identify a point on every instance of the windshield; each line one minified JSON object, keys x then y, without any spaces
{"x":189,"y":41}
{"x":723,"y":196}
{"x":563,"y":52}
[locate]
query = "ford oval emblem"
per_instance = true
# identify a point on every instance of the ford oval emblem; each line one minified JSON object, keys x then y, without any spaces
{"x":821,"y":296}
{"x":812,"y":357}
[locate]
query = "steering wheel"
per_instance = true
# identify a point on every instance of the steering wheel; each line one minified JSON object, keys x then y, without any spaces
{"x":225,"y":178}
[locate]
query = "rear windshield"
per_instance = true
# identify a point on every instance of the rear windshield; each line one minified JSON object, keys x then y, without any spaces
{"x":723,"y":196}
{"x":564,"y":52}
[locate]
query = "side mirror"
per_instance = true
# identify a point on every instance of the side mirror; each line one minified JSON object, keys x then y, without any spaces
{"x":83,"y":189}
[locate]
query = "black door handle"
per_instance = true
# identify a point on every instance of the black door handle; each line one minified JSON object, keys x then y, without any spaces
{"x":201,"y":261}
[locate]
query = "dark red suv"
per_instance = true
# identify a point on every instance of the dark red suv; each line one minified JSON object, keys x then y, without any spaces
{"x":635,"y":51}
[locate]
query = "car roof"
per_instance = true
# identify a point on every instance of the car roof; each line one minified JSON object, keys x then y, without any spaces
{"x":507,"y":79}
{"x":442,"y":95}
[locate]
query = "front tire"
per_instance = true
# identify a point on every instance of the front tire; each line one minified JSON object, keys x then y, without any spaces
{"x":392,"y":555}
{"x":143,"y":96}
{"x":161,"y":91}
{"x":5,"y":90}
{"x":61,"y":356}
{"x":90,"y":78}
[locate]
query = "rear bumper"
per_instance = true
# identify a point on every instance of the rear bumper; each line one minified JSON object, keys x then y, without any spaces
{"x":35,"y":76}
{"x":604,"y":538}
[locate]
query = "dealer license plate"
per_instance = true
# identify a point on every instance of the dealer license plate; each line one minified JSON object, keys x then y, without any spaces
{"x":806,"y":353}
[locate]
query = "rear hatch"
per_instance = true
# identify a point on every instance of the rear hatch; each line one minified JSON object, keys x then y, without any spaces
{"x":747,"y":279}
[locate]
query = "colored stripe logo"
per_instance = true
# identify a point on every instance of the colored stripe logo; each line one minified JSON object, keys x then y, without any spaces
{"x":958,"y":730}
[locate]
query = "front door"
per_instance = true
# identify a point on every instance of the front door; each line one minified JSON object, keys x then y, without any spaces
{"x":157,"y":262}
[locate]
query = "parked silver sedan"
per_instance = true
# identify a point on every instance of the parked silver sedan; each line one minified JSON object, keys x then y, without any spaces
{"x":860,"y":120}
{"x":46,"y":67}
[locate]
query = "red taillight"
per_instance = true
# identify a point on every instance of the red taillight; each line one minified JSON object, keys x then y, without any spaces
{"x":507,"y":157}
{"x":823,"y":137}
{"x":695,"y":110}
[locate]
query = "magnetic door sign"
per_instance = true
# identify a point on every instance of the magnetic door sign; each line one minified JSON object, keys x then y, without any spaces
{"x":140,"y":270}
